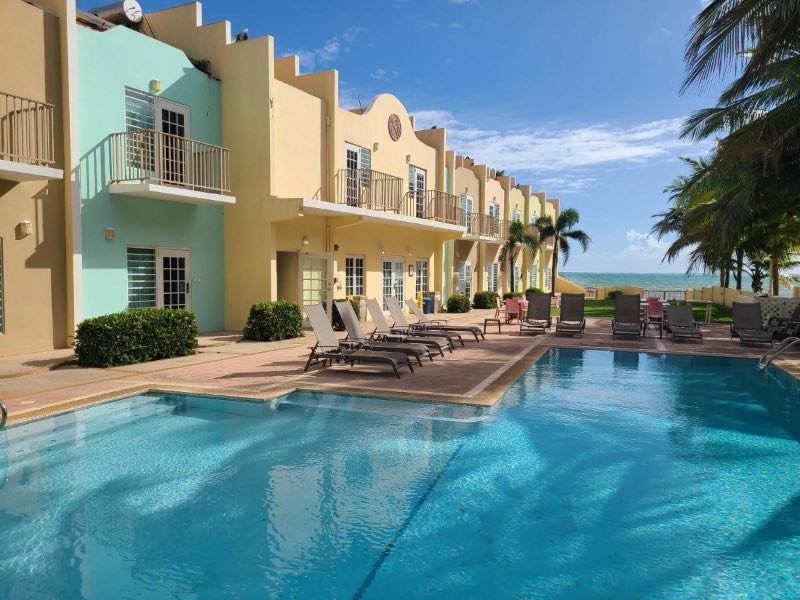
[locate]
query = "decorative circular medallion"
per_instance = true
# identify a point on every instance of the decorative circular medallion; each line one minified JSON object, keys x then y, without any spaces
{"x":395,"y":127}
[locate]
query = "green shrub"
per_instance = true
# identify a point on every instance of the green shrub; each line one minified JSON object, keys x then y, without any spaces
{"x":338,"y":324}
{"x":533,"y":290}
{"x":484,"y":300}
{"x":458,"y":303}
{"x":135,"y":336}
{"x":508,"y":295}
{"x":614,"y":293}
{"x":270,"y":321}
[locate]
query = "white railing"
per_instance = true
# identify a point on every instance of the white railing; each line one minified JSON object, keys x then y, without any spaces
{"x":149,"y":155}
{"x":26,"y":130}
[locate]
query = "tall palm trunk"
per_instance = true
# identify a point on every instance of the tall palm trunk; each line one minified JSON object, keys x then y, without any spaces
{"x":513,"y":285}
{"x":739,"y":267}
{"x":554,"y":269}
{"x":773,"y":274}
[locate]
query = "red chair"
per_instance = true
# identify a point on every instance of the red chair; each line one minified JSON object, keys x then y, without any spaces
{"x":512,"y":309}
{"x":654,"y":315}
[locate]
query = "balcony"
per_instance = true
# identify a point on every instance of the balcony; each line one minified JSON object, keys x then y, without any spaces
{"x":152,"y":164}
{"x":505,"y":224}
{"x":372,"y":196}
{"x":481,"y":226}
{"x":27,"y":139}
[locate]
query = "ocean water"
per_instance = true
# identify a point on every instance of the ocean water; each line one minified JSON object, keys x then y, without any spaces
{"x":598,"y":475}
{"x":649,"y":281}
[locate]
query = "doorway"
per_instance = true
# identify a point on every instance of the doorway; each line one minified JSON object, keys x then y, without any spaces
{"x":315,"y":279}
{"x":393,"y":271}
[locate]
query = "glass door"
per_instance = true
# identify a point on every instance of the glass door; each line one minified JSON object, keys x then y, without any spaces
{"x":393,"y":271}
{"x":172,"y":119}
{"x":417,"y":179}
{"x":315,"y":279}
{"x":465,"y":203}
{"x":173,"y":277}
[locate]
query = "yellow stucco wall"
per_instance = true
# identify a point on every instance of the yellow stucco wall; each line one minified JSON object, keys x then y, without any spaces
{"x":34,"y":266}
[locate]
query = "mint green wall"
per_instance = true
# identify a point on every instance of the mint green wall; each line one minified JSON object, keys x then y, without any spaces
{"x":107,"y":62}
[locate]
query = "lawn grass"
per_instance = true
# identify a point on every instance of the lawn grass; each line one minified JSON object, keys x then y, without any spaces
{"x":605,"y":308}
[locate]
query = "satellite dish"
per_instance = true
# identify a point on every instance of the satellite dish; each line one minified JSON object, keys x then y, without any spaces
{"x":119,"y":13}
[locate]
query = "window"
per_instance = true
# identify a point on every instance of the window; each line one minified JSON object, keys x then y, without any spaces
{"x":465,"y":278}
{"x":354,"y":275}
{"x":422,"y":275}
{"x":357,"y":162}
{"x":141,"y":277}
{"x":517,"y":277}
{"x":548,"y":278}
{"x":416,"y":189}
{"x":516,"y":215}
{"x":2,"y":295}
{"x":465,"y":204}
{"x":492,"y":277}
{"x":139,"y":112}
{"x":533,"y":276}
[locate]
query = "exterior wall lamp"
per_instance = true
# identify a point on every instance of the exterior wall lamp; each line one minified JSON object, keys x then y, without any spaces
{"x":24,"y":229}
{"x":110,"y":233}
{"x":155,"y":86}
{"x":305,"y":241}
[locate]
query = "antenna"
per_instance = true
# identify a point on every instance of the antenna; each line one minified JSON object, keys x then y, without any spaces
{"x":358,"y":97}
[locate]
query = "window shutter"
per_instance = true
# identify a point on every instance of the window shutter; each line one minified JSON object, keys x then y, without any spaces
{"x":365,"y":166}
{"x":462,"y":277}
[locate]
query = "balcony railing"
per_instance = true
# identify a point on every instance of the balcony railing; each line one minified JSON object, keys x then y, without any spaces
{"x":26,"y":130}
{"x":505,"y":224}
{"x":482,"y":225}
{"x":163,"y":158}
{"x":432,"y":205}
{"x":365,"y":188}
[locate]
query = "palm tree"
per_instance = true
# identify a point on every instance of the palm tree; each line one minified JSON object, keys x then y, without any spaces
{"x":518,"y":239}
{"x":560,"y":232}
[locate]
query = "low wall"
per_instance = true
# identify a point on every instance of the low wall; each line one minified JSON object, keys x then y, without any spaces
{"x":718,"y":295}
{"x":602,"y":292}
{"x":565,"y":286}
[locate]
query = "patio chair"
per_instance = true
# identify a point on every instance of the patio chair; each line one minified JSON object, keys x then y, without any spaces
{"x":681,"y":322}
{"x":571,"y":319}
{"x":403,"y":326}
{"x":654,"y":316}
{"x":627,"y":316}
{"x":384,"y":333}
{"x":328,"y":348}
{"x":537,"y":318}
{"x":784,"y":328}
{"x":355,"y":334}
{"x":747,"y":324}
{"x":500,"y":311}
{"x":440,"y":324}
{"x":513,"y":310}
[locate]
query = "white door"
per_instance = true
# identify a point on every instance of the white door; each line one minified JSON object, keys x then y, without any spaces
{"x":393,"y":279}
{"x":417,"y":179}
{"x":465,"y":278}
{"x":174,"y":152}
{"x":357,"y":162}
{"x":315,"y":281}
{"x":465,"y":203}
{"x":173,"y":278}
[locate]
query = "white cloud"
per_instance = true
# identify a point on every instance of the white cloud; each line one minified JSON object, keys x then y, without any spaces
{"x":666,"y":31}
{"x":566,"y":185}
{"x":333,"y":47}
{"x":425,"y":119}
{"x":455,"y":25}
{"x":461,"y":1}
{"x":384,"y":74}
{"x":643,"y":244}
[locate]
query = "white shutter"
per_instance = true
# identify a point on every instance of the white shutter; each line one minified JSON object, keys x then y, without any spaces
{"x":462,"y":266}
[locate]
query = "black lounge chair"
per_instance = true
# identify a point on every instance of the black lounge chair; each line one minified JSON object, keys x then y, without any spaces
{"x":747,"y":324}
{"x":328,"y":348}
{"x":384,"y":333}
{"x":403,"y":326}
{"x":681,"y":322}
{"x":571,"y":320}
{"x":537,"y":318}
{"x":441,"y":324}
{"x":627,"y":316}
{"x":356,"y":334}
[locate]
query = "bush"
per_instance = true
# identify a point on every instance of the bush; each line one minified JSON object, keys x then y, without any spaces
{"x":614,"y":293}
{"x":135,"y":336}
{"x":338,"y":324}
{"x":508,"y":295}
{"x":533,"y":290}
{"x":271,"y":321}
{"x":484,"y":300}
{"x":458,"y":303}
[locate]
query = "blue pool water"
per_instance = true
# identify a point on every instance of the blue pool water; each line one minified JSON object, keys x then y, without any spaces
{"x":599,"y":474}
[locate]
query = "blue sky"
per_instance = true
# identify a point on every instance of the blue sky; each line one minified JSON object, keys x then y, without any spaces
{"x":579,"y":97}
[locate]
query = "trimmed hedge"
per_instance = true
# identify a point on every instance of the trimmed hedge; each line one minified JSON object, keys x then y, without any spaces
{"x":508,"y":295}
{"x":458,"y":303}
{"x":484,"y":300}
{"x":614,"y":293}
{"x":338,"y":324}
{"x":533,"y":290}
{"x":135,"y":336}
{"x":271,"y":321}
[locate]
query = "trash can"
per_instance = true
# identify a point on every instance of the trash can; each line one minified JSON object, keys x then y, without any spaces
{"x":427,"y":305}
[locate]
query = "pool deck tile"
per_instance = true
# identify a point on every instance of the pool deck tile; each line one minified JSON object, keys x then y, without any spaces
{"x":478,"y":374}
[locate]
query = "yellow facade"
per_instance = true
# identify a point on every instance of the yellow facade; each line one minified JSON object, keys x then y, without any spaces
{"x":33,"y":293}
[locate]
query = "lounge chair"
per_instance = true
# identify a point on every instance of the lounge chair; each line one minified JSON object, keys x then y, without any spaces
{"x":356,"y":334}
{"x":681,"y":323}
{"x":403,"y":326}
{"x":441,"y":324}
{"x":571,"y":320}
{"x":627,"y":316}
{"x":384,"y":333}
{"x":747,"y":324}
{"x":328,"y":348}
{"x":784,"y":328}
{"x":537,"y":318}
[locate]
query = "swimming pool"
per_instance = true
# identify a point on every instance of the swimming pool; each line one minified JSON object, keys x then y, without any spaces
{"x":600,"y":473}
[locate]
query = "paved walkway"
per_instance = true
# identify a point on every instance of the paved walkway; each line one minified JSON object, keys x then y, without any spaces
{"x":476,"y":374}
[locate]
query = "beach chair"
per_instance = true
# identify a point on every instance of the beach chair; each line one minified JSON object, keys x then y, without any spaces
{"x":355,"y":333}
{"x":627,"y":316}
{"x":654,"y":316}
{"x":681,"y":323}
{"x":440,"y":324}
{"x":571,"y":319}
{"x":537,"y":318}
{"x":747,"y":324}
{"x":328,"y":349}
{"x":384,"y":333}
{"x":403,"y":326}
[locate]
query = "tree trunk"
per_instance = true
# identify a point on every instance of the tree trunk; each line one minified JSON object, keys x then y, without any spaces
{"x":554,"y":269}
{"x":739,"y":267}
{"x":513,"y":285}
{"x":721,"y":278}
{"x":773,"y":273}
